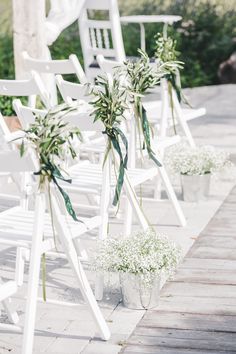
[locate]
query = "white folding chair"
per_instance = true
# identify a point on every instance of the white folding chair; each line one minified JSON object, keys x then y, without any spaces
{"x":105,"y":36}
{"x":90,"y":177}
{"x":159,"y":111}
{"x":46,"y":67}
{"x":159,"y":144}
{"x":100,"y":36}
{"x":73,"y":91}
{"x":31,"y":88}
{"x":33,"y":230}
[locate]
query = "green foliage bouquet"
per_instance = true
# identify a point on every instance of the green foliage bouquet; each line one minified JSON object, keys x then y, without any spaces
{"x":52,"y":140}
{"x":109,"y":105}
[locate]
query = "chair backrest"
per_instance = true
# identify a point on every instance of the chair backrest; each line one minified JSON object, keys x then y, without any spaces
{"x":29,"y":88}
{"x":108,"y":66}
{"x":64,"y":66}
{"x":100,"y":36}
{"x":80,"y":118}
{"x":72,"y":91}
{"x":10,"y":161}
{"x":49,"y":68}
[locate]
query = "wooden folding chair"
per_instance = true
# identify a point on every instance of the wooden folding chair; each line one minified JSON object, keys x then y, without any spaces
{"x":31,"y":88}
{"x":32,"y":230}
{"x":46,"y":67}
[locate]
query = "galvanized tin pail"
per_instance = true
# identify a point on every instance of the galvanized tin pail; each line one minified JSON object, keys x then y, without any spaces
{"x":195,"y":188}
{"x":136,"y":294}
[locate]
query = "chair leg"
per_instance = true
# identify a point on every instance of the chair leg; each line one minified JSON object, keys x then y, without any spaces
{"x":182,"y":121}
{"x":34,"y":270}
{"x":133,"y":200}
{"x":103,"y":230}
{"x":86,"y":289}
{"x":172,"y":196}
{"x":70,"y":251}
{"x":12,"y":315}
{"x":128,"y":218}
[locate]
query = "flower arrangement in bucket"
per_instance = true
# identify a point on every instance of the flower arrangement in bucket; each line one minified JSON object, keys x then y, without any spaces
{"x":141,"y":260}
{"x":196,"y":166}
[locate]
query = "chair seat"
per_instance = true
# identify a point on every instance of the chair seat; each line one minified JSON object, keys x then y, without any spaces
{"x":95,"y":64}
{"x":91,"y":174}
{"x":158,"y":143}
{"x":7,"y":290}
{"x":153,"y":109}
{"x":16,"y":224}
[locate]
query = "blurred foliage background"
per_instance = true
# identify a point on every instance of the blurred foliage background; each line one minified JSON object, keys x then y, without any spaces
{"x":206,"y":36}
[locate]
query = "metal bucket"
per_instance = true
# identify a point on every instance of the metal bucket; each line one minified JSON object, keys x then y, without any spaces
{"x":195,"y":188}
{"x":136,"y":294}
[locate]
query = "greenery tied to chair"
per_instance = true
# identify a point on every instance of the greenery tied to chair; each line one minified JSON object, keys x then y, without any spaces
{"x":110,"y":103}
{"x":141,"y":77}
{"x":51,"y":138}
{"x":166,"y":53}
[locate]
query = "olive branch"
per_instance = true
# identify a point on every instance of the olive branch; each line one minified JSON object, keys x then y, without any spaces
{"x":109,"y":105}
{"x":51,"y":138}
{"x":141,"y":77}
{"x":165,"y":53}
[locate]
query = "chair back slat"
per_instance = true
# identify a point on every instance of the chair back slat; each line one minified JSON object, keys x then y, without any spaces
{"x":72,"y":91}
{"x":32,"y":87}
{"x":10,"y":161}
{"x":64,"y":66}
{"x":100,"y":36}
{"x":106,"y":65}
{"x":80,"y":118}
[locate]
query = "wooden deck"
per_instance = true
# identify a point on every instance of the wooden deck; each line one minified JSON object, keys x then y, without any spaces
{"x":197,"y":312}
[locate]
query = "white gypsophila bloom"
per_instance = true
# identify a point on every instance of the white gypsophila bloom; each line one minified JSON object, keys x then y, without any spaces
{"x":201,"y":160}
{"x":145,"y":254}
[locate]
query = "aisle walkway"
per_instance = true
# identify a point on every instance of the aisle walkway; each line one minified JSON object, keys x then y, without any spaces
{"x":197,"y":312}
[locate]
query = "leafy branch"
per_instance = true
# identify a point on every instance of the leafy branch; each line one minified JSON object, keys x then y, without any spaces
{"x":52,"y":139}
{"x":110,"y":104}
{"x":141,"y":77}
{"x":166,"y":52}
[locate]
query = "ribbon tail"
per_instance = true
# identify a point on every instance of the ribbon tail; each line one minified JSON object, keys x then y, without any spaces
{"x":120,"y":179}
{"x":67,"y":201}
{"x":119,"y":185}
{"x":146,"y":133}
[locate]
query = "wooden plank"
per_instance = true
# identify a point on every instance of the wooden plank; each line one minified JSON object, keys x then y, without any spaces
{"x":212,"y":252}
{"x":208,"y":263}
{"x":203,"y":305}
{"x":178,"y":320}
{"x":197,"y":310}
{"x":215,"y":241}
{"x":187,"y":339}
{"x":137,"y":349}
{"x":198,"y":289}
{"x":211,"y":276}
{"x":220,"y":232}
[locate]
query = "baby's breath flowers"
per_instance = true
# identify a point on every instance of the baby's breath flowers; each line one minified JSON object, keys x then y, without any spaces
{"x":201,"y":160}
{"x":145,"y":254}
